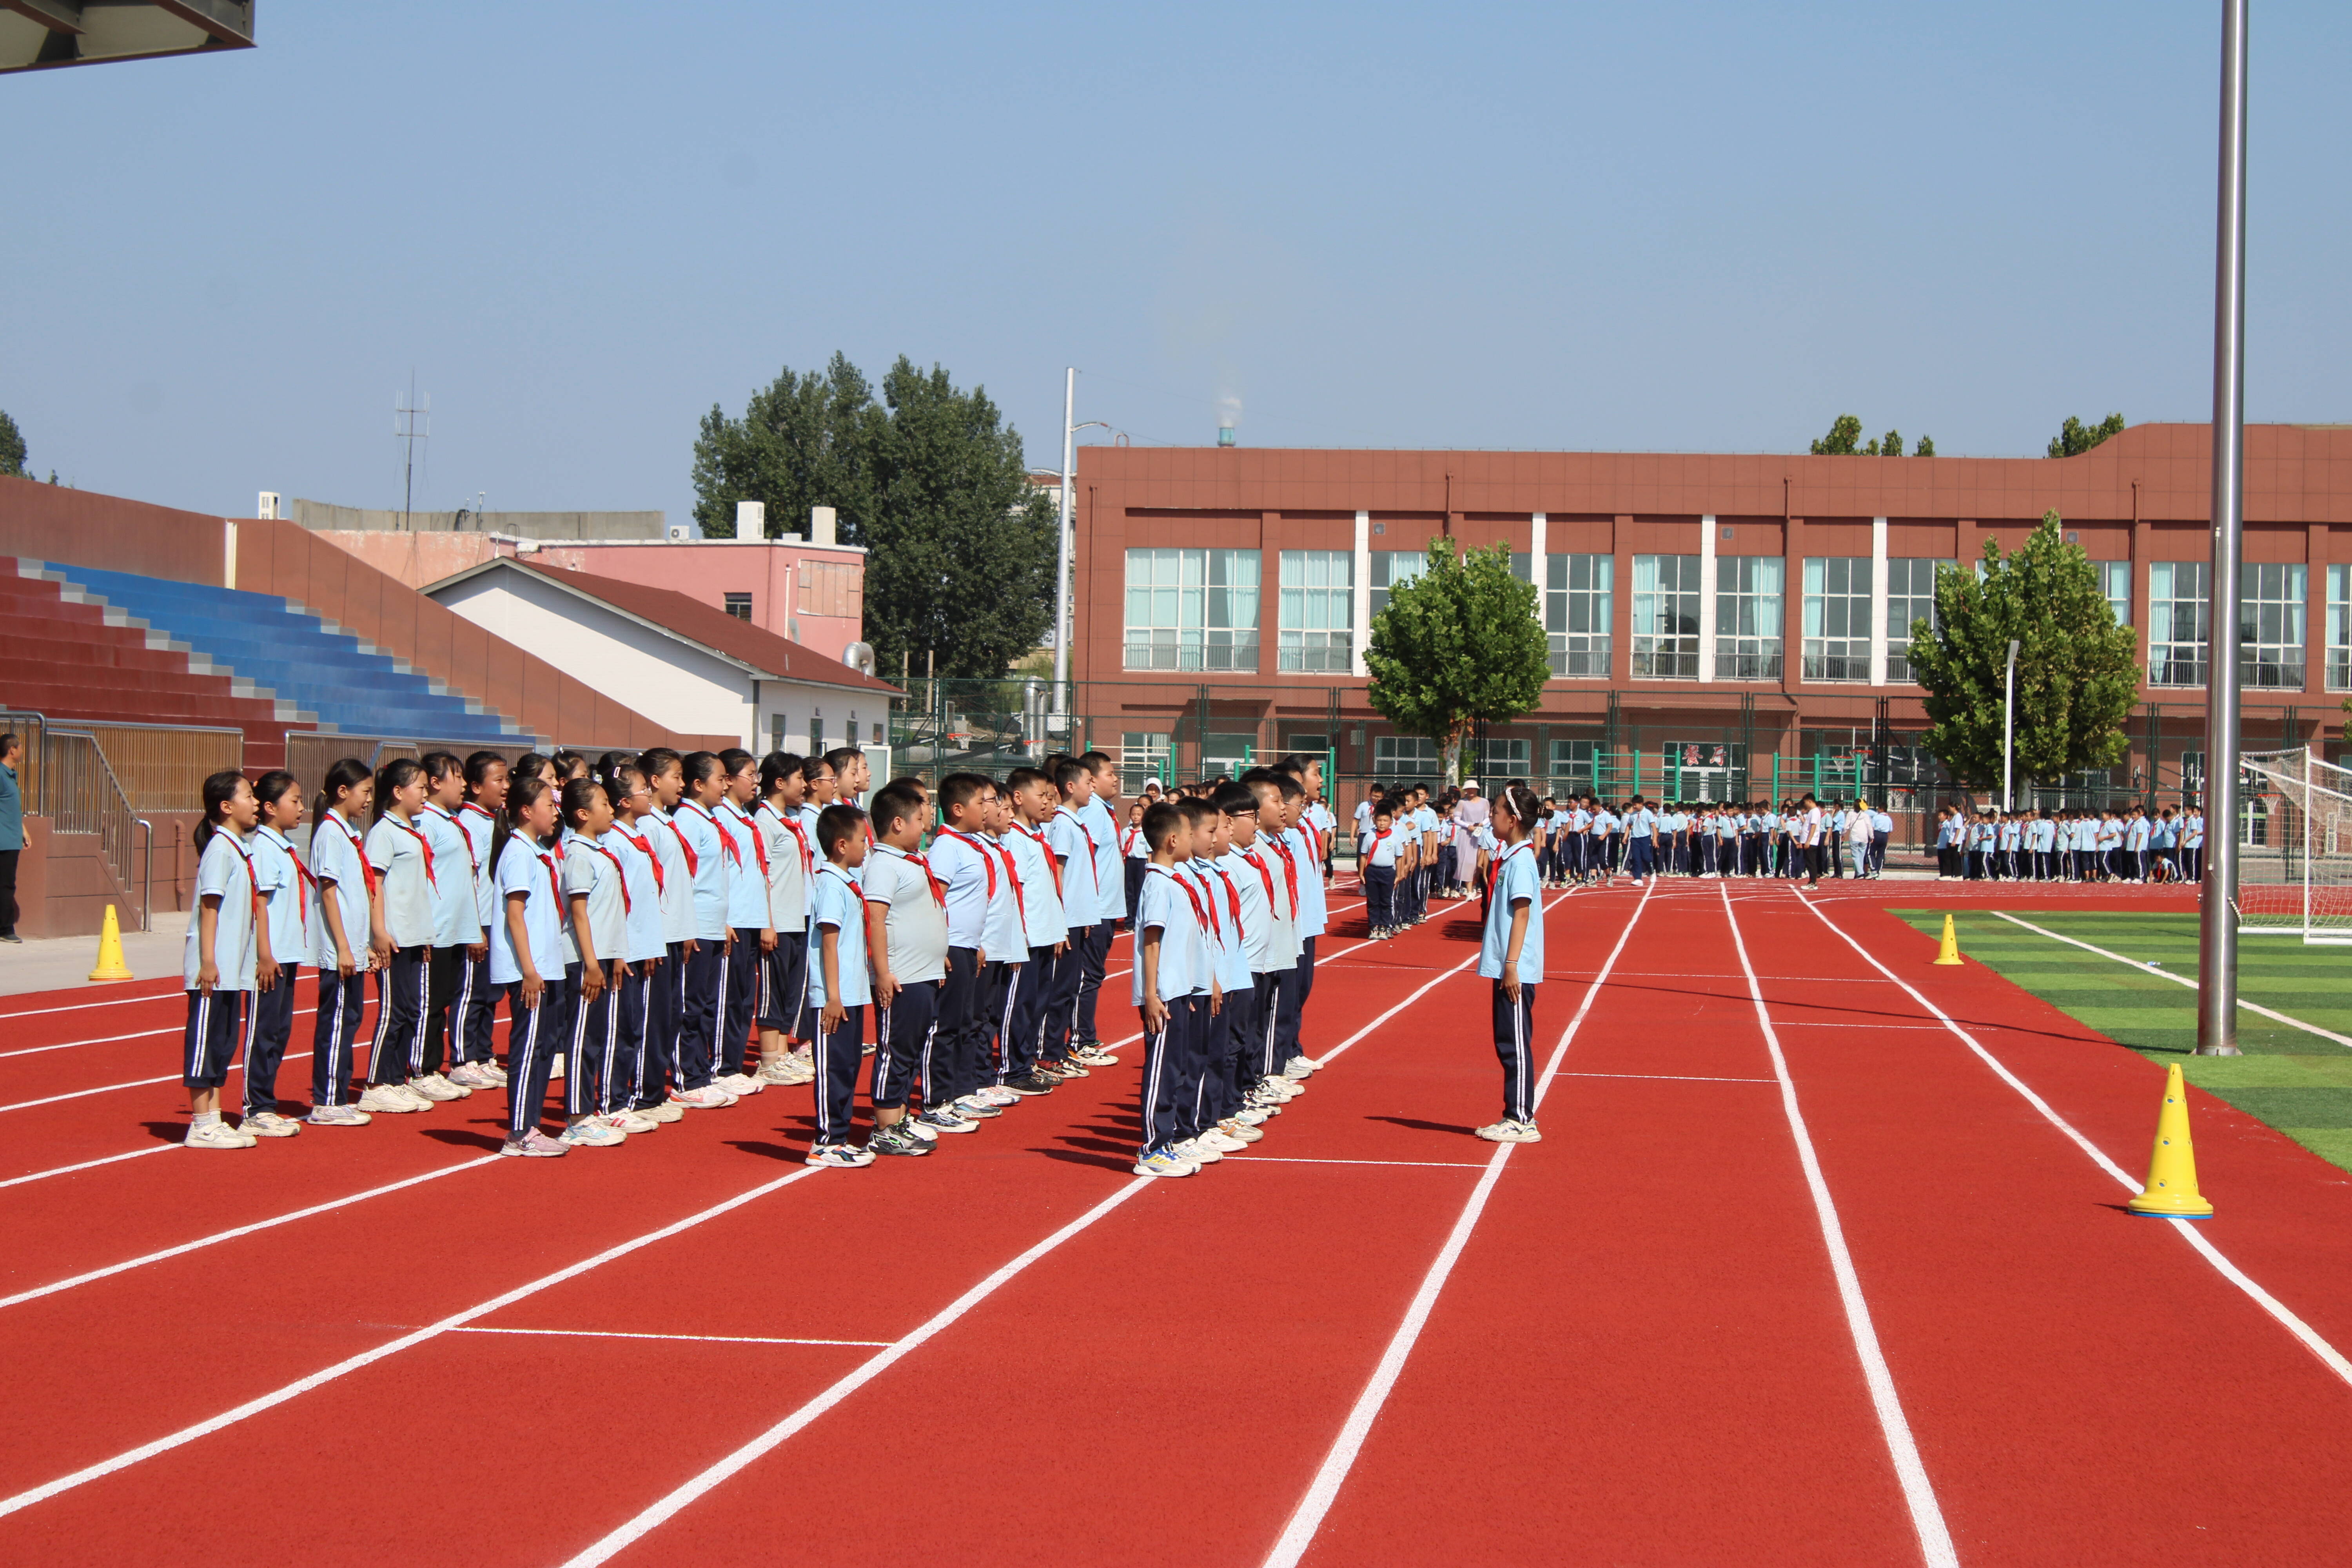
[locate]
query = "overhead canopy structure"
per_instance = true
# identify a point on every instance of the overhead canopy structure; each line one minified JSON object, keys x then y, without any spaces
{"x":38,"y":33}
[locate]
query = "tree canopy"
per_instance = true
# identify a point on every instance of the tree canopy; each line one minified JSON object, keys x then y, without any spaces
{"x":1844,"y":440}
{"x":12,"y":447}
{"x":928,"y":478}
{"x":2077,"y":669}
{"x":1457,"y":647}
{"x":2075,"y":436}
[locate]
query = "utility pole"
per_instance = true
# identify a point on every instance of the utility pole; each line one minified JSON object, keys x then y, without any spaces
{"x":2009,"y":733}
{"x":411,"y":423}
{"x":1061,"y":545}
{"x":2216,"y":917}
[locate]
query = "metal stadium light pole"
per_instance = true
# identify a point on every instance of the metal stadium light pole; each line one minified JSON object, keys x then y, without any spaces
{"x":1062,"y":546}
{"x":2009,"y":731}
{"x":2217,"y":922}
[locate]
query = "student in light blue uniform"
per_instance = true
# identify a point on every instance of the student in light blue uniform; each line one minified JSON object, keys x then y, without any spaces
{"x":839,"y":985}
{"x":596,"y":910}
{"x":643,"y":949}
{"x":527,"y":958}
{"x":1511,"y":954}
{"x":1172,"y":985}
{"x":225,"y":958}
{"x":282,"y":878}
{"x":457,"y":930}
{"x":707,"y":966}
{"x":477,"y":1008}
{"x":1100,"y":821}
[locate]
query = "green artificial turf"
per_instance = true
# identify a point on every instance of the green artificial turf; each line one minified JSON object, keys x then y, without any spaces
{"x":2297,"y":1082}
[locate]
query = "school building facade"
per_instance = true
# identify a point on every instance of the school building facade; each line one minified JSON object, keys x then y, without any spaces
{"x":1720,"y":626}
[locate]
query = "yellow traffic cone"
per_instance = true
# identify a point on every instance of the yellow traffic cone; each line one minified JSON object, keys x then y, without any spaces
{"x":2172,"y":1169}
{"x":109,"y":952}
{"x":1951,"y":952}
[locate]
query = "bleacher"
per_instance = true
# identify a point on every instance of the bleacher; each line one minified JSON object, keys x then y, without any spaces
{"x":76,"y":659}
{"x":303,"y":671}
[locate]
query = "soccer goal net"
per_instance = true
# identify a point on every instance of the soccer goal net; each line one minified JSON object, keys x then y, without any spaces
{"x":2295,"y":864}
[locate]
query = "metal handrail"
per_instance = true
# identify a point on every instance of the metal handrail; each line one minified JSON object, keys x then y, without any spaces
{"x":147,"y":880}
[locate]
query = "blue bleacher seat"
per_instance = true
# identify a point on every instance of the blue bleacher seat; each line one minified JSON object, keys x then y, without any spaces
{"x":263,"y":639}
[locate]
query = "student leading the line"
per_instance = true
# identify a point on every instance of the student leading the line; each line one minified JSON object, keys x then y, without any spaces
{"x":226,"y":956}
{"x":1511,"y":954}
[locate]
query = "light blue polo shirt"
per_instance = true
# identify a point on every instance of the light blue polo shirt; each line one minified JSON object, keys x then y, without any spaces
{"x":1183,"y":951}
{"x":835,"y":900}
{"x":1514,"y":879}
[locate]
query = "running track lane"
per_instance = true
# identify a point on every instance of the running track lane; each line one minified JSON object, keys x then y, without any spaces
{"x":274,"y":1311}
{"x":1640,"y":1356}
{"x":2085,"y":1387}
{"x":1258,"y":1265}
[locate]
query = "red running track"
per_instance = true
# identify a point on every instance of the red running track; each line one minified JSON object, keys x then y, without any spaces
{"x":1640,"y":1356}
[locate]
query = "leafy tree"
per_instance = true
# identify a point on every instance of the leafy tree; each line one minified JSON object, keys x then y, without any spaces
{"x":2075,"y":436}
{"x":12,"y":447}
{"x":928,"y":480}
{"x":1457,"y":647}
{"x":2078,"y":670}
{"x":1844,"y":440}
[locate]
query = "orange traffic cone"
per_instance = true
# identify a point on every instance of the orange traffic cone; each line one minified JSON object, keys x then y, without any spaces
{"x":111,"y":965}
{"x":1949,"y":953}
{"x":2171,"y":1191}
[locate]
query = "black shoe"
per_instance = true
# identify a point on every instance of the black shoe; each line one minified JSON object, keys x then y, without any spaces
{"x":1031,"y":1083}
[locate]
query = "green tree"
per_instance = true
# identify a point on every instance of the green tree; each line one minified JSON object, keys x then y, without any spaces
{"x":1457,"y":647}
{"x":1844,"y":440}
{"x":12,"y":447}
{"x":959,"y":560}
{"x":2075,"y":436}
{"x":2078,"y":670}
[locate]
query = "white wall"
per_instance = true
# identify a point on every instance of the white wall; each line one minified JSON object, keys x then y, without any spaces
{"x":677,"y":684}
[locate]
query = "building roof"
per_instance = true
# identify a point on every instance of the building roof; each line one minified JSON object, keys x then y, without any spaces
{"x":764,"y":654}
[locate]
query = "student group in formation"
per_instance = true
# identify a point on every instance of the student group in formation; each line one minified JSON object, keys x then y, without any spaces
{"x":674,"y":933}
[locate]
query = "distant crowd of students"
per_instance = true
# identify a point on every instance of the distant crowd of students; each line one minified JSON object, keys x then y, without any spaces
{"x":2114,"y":845}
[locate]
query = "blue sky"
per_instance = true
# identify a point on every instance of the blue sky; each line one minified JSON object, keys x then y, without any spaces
{"x":1665,"y":227}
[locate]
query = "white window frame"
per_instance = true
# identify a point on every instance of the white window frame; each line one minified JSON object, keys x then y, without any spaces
{"x":1665,"y":617}
{"x":2178,"y":595}
{"x":1747,"y":616}
{"x":1315,"y":611}
{"x":2272,"y":600}
{"x":1916,"y":606}
{"x":1837,"y":619}
{"x":2339,"y":628}
{"x":1579,"y":599}
{"x":1200,"y":611}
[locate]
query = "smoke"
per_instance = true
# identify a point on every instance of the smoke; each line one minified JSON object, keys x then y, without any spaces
{"x":1229,"y":408}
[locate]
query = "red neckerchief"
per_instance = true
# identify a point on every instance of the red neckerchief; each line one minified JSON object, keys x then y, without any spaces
{"x":726,"y":839}
{"x":1494,"y":872}
{"x":808,"y":861}
{"x":987,"y":861}
{"x":645,"y":847}
{"x":1263,"y":876}
{"x":472,"y":864}
{"x":692,"y":867}
{"x":1233,"y":895}
{"x":1084,"y":834}
{"x":1012,"y":873}
{"x":759,"y":845}
{"x":359,"y":848}
{"x":301,"y":905}
{"x":1051,"y":863}
{"x":260,"y":909}
{"x":939,"y":889}
{"x":617,"y":871}
{"x":1314,"y":839}
{"x":1126,"y":838}
{"x":430,"y":879}
{"x":1204,"y":916}
{"x":554,"y":881}
{"x":1216,"y":926}
{"x":1291,"y":881}
{"x":1289,"y":871}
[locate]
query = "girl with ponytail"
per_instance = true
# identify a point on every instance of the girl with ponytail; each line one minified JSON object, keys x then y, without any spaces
{"x":527,"y":958}
{"x":406,"y":879}
{"x":1511,"y":954}
{"x":227,"y":955}
{"x":345,"y":913}
{"x":278,"y":871}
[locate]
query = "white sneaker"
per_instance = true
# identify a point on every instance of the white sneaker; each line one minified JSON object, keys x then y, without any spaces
{"x":710,"y":1099}
{"x":1165,"y":1163}
{"x":997,"y":1095}
{"x":1199,"y":1152}
{"x":914,"y":1127}
{"x":840,"y":1156}
{"x":591,"y":1132}
{"x":1509,"y":1132}
{"x":420,"y":1101}
{"x":1251,"y":1116}
{"x":391,"y":1099}
{"x":632,"y":1121}
{"x":470,"y":1075}
{"x":1223,"y":1141}
{"x":434,"y":1087}
{"x":495,"y":1073}
{"x":1301,"y":1067}
{"x":535,"y":1145}
{"x":268,"y":1124}
{"x":739,"y":1084}
{"x":337,"y":1116}
{"x":218,"y":1135}
{"x":1246,"y":1131}
{"x":665,"y":1111}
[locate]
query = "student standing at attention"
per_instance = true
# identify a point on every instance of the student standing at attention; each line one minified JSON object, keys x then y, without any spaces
{"x":456,"y":929}
{"x":344,"y":888}
{"x":790,"y":862}
{"x":283,"y":880}
{"x":226,"y":958}
{"x":527,"y":958}
{"x":838,"y":985}
{"x":478,"y":1000}
{"x":707,"y":965}
{"x":1511,"y":954}
{"x":1172,"y":984}
{"x":907,"y":937}
{"x":406,"y":879}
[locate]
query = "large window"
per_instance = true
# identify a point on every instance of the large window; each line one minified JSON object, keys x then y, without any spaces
{"x":1837,"y":617}
{"x":1318,"y":607}
{"x":1665,"y":617}
{"x":2271,"y":627}
{"x":1575,"y":613}
{"x":2340,"y":628}
{"x":1910,"y":596}
{"x":1576,"y":765}
{"x":1498,"y":760}
{"x":1391,"y":567}
{"x":1404,"y":757}
{"x":2115,"y":582}
{"x":1192,"y":609}
{"x":2177,"y":592}
{"x":1748,"y":617}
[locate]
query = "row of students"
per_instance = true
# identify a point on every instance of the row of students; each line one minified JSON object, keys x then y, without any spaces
{"x":2113,"y":845}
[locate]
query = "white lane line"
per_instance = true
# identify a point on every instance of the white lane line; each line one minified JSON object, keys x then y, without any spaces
{"x":132,"y":1083}
{"x":1324,"y":1489}
{"x":85,"y":1165}
{"x":218,"y":1237}
{"x":319,"y":1379}
{"x":1672,"y":1077}
{"x":112,"y":1039}
{"x":1918,"y":1492}
{"x":866,"y":1372}
{"x":85,"y":1007}
{"x":2166,"y":974}
{"x":695,"y":1339}
{"x":2329,"y":1354}
{"x":1418,"y":1164}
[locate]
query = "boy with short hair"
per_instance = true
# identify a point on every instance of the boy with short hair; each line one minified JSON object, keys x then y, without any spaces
{"x":1378,"y":854}
{"x":1171,"y":982}
{"x":1100,"y":820}
{"x":1070,"y":844}
{"x":973,"y":892}
{"x":665,"y":1004}
{"x":838,"y":986}
{"x":907,"y":932}
{"x":1044,"y":930}
{"x":1201,"y":1101}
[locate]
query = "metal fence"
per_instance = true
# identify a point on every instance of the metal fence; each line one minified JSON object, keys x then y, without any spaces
{"x":75,"y":788}
{"x":162,"y":767}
